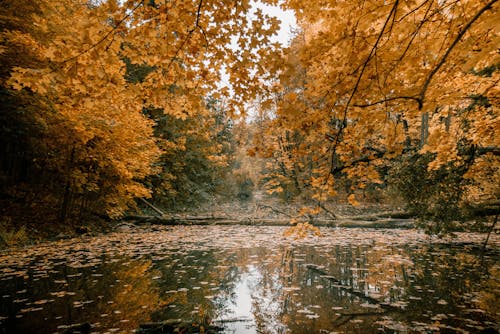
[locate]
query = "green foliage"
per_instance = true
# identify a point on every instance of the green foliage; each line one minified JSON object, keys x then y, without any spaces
{"x":486,"y":71}
{"x":195,"y":159}
{"x":244,"y":186}
{"x":12,"y":236}
{"x":136,"y":72}
{"x":434,"y":196}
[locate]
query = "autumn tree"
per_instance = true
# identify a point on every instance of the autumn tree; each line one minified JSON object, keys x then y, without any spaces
{"x":383,"y":79}
{"x":289,"y":141}
{"x":95,"y":136}
{"x":196,"y":156}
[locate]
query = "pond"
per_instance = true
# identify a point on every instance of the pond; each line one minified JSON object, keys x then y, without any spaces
{"x":252,"y":279}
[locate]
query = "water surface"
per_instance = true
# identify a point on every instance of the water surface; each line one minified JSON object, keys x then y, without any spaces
{"x":253,"y":280}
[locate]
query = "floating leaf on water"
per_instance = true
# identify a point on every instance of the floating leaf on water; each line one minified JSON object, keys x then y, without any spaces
{"x":312,"y":316}
{"x":439,"y":317}
{"x":43,"y":301}
{"x":368,"y":305}
{"x":20,"y":300}
{"x":305,"y":311}
{"x":475,"y":310}
{"x":75,"y":275}
{"x":31,"y":309}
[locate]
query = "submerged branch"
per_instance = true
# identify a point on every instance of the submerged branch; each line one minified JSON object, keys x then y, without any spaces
{"x":352,"y":291}
{"x":450,"y":48}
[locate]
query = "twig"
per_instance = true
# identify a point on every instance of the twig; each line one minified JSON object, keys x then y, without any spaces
{"x":161,"y":213}
{"x":333,"y":215}
{"x":105,"y":36}
{"x":188,"y":36}
{"x":366,"y":105}
{"x":450,"y":48}
{"x":274,"y":210}
{"x":358,"y":81}
{"x":489,"y":232}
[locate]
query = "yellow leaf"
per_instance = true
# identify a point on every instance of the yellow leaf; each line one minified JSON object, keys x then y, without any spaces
{"x":352,"y":200}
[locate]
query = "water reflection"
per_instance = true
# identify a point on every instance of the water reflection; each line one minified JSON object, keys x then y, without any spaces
{"x":250,"y":280}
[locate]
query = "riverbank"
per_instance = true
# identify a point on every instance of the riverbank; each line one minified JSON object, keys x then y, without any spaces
{"x":245,"y":213}
{"x":272,"y":213}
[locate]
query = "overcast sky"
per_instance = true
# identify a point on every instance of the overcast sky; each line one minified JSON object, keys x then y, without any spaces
{"x":287,"y":19}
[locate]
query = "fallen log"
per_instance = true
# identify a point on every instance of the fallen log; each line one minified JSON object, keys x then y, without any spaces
{"x":170,"y":220}
{"x":208,"y":220}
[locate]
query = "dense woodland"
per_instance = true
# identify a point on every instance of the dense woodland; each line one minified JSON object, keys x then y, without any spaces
{"x":107,"y":102}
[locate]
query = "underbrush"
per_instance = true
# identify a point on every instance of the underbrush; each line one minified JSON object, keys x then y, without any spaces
{"x":11,"y":235}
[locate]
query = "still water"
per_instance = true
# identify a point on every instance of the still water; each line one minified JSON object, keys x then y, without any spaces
{"x":254,"y":280}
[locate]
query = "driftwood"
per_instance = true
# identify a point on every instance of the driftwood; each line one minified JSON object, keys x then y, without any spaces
{"x":177,"y":326}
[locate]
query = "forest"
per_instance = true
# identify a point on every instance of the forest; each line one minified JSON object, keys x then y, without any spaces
{"x":171,"y":166}
{"x":106,"y":104}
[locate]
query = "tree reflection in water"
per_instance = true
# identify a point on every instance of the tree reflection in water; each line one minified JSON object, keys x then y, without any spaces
{"x":251,"y":280}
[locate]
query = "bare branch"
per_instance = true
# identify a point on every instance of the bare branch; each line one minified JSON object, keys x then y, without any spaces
{"x":366,"y":105}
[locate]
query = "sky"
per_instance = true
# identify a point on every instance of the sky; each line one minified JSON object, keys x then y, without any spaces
{"x":288,"y":22}
{"x":287,"y":18}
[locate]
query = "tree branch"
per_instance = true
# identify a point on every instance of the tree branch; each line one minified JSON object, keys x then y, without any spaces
{"x":388,"y":100}
{"x":450,"y":48}
{"x":355,"y":89}
{"x":190,"y":32}
{"x":93,"y":46}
